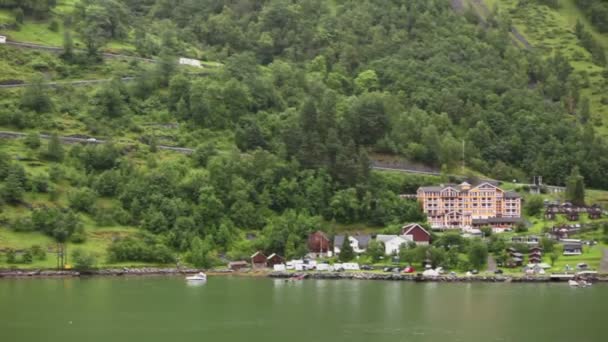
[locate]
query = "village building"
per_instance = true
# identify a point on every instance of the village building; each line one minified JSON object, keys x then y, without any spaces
{"x":463,"y":205}
{"x":359,"y":243}
{"x":319,"y":244}
{"x":238,"y":265}
{"x":572,"y":247}
{"x":528,"y":240}
{"x":393,"y":243}
{"x":415,"y":232}
{"x":594,"y":212}
{"x":258,"y":260}
{"x":274,"y":259}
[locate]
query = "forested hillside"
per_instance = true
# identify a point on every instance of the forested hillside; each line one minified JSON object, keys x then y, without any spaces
{"x":283,"y":131}
{"x":597,"y":12}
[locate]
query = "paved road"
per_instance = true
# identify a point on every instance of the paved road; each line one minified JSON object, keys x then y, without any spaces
{"x":376,"y":165}
{"x":88,"y":140}
{"x":65,"y":83}
{"x":604,"y":262}
{"x":56,"y":49}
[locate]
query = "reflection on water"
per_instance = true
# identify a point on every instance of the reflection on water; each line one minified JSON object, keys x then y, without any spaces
{"x":196,"y":283}
{"x":231,"y":309}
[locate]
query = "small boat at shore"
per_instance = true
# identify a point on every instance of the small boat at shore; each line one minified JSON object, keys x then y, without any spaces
{"x":197,"y":277}
{"x":578,"y":283}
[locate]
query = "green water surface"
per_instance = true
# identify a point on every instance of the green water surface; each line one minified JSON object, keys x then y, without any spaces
{"x":227,"y":309}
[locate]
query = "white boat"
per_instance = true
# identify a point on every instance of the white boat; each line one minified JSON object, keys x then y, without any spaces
{"x":197,"y":277}
{"x":579,"y":283}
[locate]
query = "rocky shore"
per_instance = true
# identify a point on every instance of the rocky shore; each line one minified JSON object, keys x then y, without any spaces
{"x":15,"y":273}
{"x":421,"y":278}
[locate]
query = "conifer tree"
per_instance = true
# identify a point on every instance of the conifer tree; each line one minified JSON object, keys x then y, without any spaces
{"x":13,"y":187}
{"x":54,"y":149}
{"x":346,"y":251}
{"x":575,"y":188}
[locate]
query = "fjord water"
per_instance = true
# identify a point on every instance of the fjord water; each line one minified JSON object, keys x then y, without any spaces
{"x":227,"y":309}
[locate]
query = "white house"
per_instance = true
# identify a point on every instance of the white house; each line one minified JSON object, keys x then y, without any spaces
{"x":191,"y":62}
{"x":357,"y":242}
{"x":393,"y":243}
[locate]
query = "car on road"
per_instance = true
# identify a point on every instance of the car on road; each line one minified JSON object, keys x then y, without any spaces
{"x":366,"y":267}
{"x":91,"y":140}
{"x":498,"y":272}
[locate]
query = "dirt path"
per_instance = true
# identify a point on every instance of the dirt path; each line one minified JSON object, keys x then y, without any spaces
{"x":604,"y":262}
{"x":491,"y":264}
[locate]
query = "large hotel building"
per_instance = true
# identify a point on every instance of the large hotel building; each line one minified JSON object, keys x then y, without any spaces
{"x":466,"y":206}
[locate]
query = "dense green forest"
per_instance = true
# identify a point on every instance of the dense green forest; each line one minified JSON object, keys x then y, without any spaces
{"x":283,"y":131}
{"x":596,"y":11}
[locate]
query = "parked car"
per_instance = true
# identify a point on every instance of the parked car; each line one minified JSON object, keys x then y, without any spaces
{"x":366,"y":267}
{"x":474,"y":272}
{"x":387,"y":269}
{"x":498,"y":272}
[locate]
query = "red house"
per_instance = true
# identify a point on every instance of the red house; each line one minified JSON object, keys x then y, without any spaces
{"x":274,"y":259}
{"x":419,"y":235}
{"x":258,"y":260}
{"x":318,"y":243}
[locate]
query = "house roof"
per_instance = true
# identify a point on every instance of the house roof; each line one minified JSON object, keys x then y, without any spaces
{"x":238,"y":263}
{"x":511,"y":194}
{"x":258,"y":253}
{"x":496,"y":220}
{"x":411,"y":226}
{"x":387,"y":238}
{"x":318,"y":232}
{"x":362,"y":239}
{"x":573,"y":245}
{"x":274,"y":255}
{"x":464,"y":186}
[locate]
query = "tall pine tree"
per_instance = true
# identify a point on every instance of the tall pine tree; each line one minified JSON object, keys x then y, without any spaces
{"x":575,"y":188}
{"x":346,"y":250}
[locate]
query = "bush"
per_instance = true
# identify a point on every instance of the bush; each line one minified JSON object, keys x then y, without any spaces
{"x":32,"y":140}
{"x":27,"y":257}
{"x":83,"y":260}
{"x":11,"y":256}
{"x":79,"y":235}
{"x":54,"y":26}
{"x":133,"y":249}
{"x":82,"y":200}
{"x":38,"y":252}
{"x":521,"y":227}
{"x":534,"y":205}
{"x":40,"y":183}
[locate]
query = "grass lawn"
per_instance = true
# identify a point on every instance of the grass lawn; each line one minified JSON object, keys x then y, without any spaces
{"x":98,"y":239}
{"x":550,"y":30}
{"x":592,"y":256}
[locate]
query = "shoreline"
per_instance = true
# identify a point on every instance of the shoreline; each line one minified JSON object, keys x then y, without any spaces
{"x":153,"y":271}
{"x":438,"y":279}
